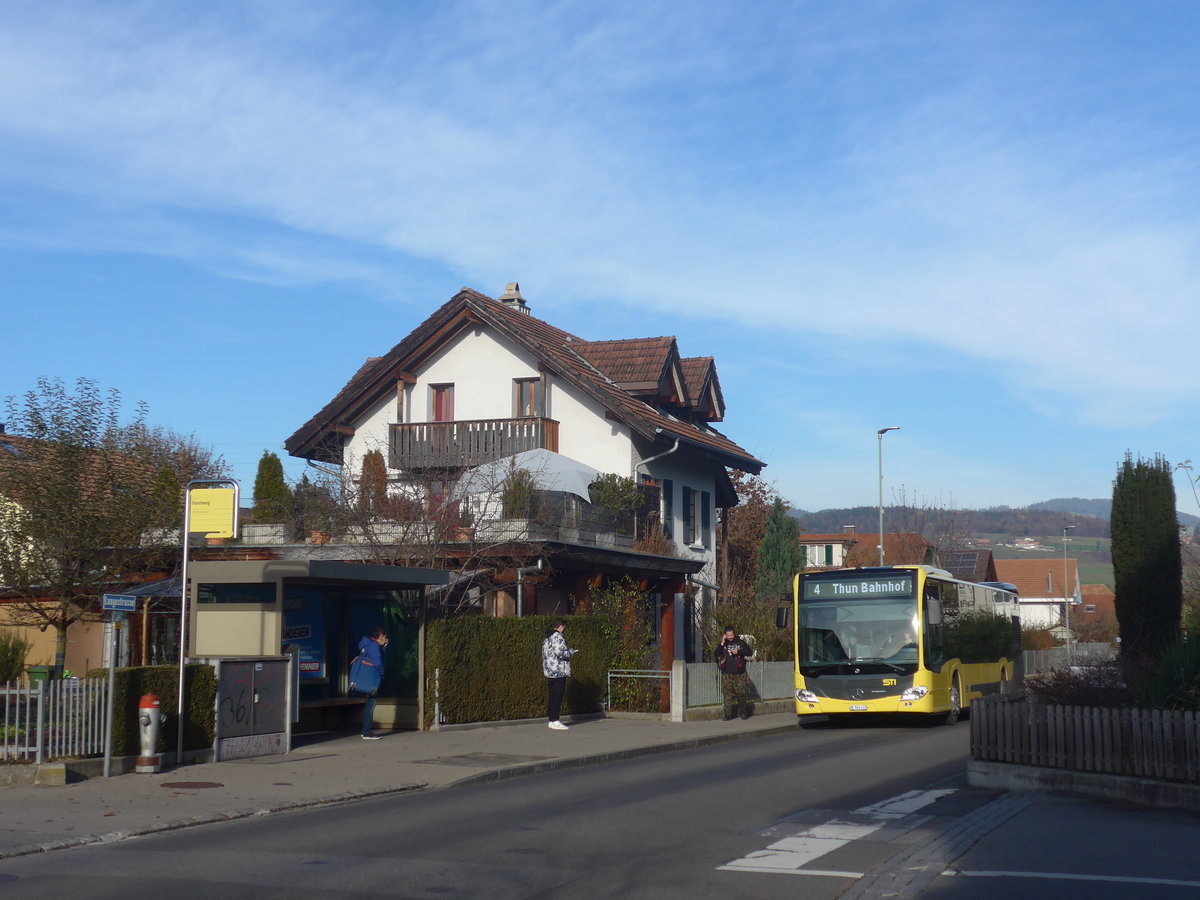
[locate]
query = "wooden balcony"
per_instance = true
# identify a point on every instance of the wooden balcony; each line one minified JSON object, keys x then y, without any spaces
{"x":461,"y":444}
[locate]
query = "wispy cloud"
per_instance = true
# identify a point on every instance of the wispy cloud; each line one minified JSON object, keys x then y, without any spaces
{"x":877,"y":174}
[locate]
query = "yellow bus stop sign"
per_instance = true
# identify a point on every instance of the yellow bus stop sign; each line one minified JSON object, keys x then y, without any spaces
{"x":213,"y":512}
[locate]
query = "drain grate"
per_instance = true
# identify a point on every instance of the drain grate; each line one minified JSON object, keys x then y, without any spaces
{"x":191,"y":785}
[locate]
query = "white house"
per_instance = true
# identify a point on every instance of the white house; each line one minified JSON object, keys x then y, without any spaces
{"x":482,"y":379}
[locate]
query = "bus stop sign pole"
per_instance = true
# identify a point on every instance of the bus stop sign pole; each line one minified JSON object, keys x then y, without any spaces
{"x":229,"y":527}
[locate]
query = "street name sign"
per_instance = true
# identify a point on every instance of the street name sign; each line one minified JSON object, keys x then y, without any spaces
{"x":126,"y":602}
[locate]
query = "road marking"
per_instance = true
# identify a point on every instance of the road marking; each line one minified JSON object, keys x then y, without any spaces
{"x":1063,"y":876}
{"x":806,"y":843}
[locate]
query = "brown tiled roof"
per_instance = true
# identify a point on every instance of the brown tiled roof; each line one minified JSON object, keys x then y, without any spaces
{"x":637,"y":361}
{"x":563,"y":353}
{"x":1038,"y":577}
{"x":700,"y":376}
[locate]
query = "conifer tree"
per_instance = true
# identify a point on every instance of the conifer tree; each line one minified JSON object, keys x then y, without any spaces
{"x":372,"y":488}
{"x":778,"y":555}
{"x":1147,"y":565}
{"x":272,"y":496}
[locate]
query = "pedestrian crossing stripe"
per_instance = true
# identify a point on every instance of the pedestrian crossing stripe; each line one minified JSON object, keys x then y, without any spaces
{"x":805,"y":843}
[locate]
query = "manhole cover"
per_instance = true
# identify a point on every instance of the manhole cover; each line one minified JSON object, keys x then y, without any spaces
{"x":191,"y":785}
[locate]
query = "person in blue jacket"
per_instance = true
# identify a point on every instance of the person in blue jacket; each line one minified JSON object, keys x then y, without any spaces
{"x":366,"y":674}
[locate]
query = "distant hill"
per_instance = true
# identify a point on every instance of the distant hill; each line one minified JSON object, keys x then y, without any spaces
{"x":1017,"y":522}
{"x":1090,"y":518}
{"x":1101,"y":509}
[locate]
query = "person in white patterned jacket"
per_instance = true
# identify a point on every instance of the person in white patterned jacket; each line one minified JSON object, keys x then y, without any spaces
{"x":556,"y":666}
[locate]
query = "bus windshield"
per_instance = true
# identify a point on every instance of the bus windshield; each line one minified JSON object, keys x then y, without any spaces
{"x":860,"y":630}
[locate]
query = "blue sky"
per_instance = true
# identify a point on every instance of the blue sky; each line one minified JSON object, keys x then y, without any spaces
{"x":977,"y":221}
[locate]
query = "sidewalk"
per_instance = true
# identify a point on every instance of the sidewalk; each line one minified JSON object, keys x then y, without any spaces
{"x":330,"y":768}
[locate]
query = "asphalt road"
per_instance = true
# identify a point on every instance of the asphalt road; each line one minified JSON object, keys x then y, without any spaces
{"x":817,"y":814}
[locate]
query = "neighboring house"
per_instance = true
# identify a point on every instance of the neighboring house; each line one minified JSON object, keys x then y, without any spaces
{"x":972,"y":565}
{"x":850,"y":548}
{"x":1095,"y":619}
{"x":1043,"y":585}
{"x":482,"y":380}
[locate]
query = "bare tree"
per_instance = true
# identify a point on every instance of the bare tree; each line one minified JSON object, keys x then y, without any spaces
{"x":79,"y":492}
{"x":943,"y":525}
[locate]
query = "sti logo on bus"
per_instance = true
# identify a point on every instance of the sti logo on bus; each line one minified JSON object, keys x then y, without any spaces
{"x":859,"y":588}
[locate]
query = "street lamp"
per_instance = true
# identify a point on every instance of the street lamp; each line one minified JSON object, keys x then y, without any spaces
{"x":1066,"y":597}
{"x":879,"y":434}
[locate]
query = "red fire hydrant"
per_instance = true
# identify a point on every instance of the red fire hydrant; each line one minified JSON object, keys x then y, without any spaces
{"x":149,"y":718}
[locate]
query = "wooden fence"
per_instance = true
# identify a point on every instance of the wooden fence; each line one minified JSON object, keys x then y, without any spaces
{"x":1145,"y":743}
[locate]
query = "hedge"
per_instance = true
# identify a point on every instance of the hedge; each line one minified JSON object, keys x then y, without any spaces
{"x":484,"y":669}
{"x":130,"y":684}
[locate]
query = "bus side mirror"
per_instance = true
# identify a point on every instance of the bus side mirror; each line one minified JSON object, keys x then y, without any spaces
{"x":781,"y":617}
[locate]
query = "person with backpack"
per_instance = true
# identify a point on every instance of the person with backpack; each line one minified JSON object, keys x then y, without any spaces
{"x":366,"y":674}
{"x":731,"y":656}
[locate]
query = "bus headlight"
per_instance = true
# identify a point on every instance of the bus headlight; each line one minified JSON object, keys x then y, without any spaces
{"x":914,"y":693}
{"x":807,"y":697}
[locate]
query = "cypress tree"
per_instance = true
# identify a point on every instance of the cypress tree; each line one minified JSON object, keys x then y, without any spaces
{"x":1147,"y":563}
{"x":372,"y":487}
{"x":272,"y":496}
{"x":778,"y":554}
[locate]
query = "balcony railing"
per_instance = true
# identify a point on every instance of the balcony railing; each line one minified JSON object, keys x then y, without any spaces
{"x":448,"y":445}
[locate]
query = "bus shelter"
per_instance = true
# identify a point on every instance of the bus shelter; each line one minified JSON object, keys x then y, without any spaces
{"x":317,"y":611}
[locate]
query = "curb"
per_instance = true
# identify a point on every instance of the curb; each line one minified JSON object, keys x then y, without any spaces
{"x":572,"y":762}
{"x":493,"y":775}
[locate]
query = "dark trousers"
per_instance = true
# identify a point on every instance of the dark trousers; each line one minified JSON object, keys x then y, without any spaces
{"x":558,"y":687}
{"x":736,"y":688}
{"x":368,"y":713}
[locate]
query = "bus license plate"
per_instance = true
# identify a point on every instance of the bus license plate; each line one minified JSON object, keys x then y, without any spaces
{"x":858,"y":707}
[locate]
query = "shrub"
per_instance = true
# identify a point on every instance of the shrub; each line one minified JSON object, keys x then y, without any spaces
{"x":483,"y":669}
{"x":199,"y":731}
{"x":1091,"y":685}
{"x":13,"y":650}
{"x":1173,"y":682}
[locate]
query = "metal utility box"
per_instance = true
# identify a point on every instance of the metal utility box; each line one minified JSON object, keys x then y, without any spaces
{"x":254,"y":706}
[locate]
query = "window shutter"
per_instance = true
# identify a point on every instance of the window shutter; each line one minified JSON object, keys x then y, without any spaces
{"x":689,"y":517}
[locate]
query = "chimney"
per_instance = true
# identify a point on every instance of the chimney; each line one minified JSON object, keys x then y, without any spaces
{"x":848,"y":529}
{"x":512,"y":298}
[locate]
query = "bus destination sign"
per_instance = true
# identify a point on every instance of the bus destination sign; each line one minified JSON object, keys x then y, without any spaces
{"x":860,"y":587}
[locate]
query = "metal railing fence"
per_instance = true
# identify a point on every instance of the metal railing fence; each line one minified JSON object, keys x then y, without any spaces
{"x":1061,"y":657}
{"x":638,"y":690}
{"x":53,"y":719}
{"x":771,"y":681}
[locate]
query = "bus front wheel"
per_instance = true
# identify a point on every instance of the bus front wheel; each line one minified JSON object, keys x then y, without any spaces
{"x":955,"y":710}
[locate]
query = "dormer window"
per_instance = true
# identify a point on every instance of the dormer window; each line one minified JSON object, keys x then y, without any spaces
{"x":528,"y":399}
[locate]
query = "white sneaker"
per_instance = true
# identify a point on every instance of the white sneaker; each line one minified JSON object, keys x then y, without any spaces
{"x":558,"y":726}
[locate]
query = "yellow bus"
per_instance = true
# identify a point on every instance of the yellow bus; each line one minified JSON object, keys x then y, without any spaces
{"x":899,"y":639}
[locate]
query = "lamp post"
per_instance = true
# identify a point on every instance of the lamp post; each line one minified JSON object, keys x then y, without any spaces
{"x":1067,"y":597}
{"x":879,"y":434}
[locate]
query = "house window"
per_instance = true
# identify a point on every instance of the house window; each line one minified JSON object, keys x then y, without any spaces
{"x":1089,"y":607}
{"x":668,"y":507}
{"x":803,"y":557}
{"x":527,"y":397}
{"x":697,"y":519}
